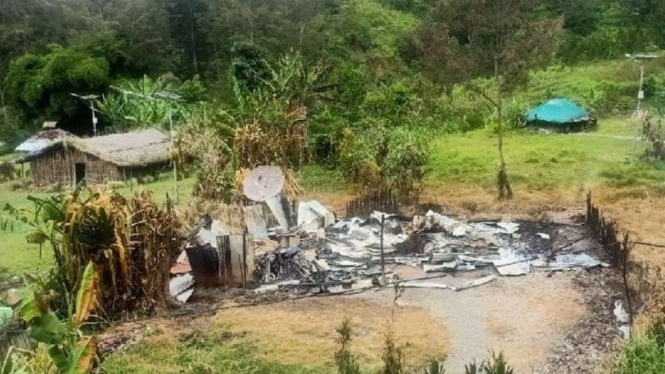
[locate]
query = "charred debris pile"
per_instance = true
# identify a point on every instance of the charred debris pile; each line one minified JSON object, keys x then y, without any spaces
{"x":304,"y":249}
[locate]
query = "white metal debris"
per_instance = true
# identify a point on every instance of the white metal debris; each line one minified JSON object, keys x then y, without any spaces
{"x":567,"y":261}
{"x":355,"y":252}
{"x":475,"y":283}
{"x":510,"y":227}
{"x":444,"y":266}
{"x":436,"y":285}
{"x":623,"y":319}
{"x":451,"y":225}
{"x":443,"y":257}
{"x":620,"y":312}
{"x":419,"y":284}
{"x":181,"y":287}
{"x":362,"y":284}
{"x":185,"y":295}
{"x":256,"y":222}
{"x":280,"y":210}
{"x":625,"y":331}
{"x":512,"y":263}
{"x":313,"y":216}
{"x":275,"y":286}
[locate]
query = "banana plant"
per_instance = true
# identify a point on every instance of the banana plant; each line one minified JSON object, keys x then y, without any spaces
{"x":71,"y":352}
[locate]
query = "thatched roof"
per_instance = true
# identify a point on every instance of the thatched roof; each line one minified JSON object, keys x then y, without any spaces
{"x":43,"y":139}
{"x":138,"y":148}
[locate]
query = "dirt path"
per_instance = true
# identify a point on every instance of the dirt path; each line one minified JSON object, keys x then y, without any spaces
{"x":525,"y":317}
{"x":619,"y":137}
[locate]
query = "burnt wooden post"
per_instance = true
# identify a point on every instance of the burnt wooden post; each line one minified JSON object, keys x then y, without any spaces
{"x":589,"y":208}
{"x":383,"y":260}
{"x":244,"y":257}
{"x":224,"y":248}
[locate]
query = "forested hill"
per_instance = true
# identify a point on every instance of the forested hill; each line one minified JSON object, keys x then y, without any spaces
{"x":367,"y":59}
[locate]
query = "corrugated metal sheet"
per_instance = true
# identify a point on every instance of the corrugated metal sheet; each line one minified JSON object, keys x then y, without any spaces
{"x":42,"y":140}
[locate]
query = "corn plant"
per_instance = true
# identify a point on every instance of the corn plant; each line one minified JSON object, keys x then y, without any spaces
{"x":132,"y":242}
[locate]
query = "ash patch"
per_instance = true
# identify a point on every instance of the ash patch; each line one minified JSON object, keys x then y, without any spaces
{"x":588,"y":344}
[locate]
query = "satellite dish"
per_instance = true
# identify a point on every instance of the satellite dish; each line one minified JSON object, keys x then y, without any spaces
{"x":263,"y":183}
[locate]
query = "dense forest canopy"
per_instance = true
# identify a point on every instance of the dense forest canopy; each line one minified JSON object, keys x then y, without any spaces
{"x":378,"y":66}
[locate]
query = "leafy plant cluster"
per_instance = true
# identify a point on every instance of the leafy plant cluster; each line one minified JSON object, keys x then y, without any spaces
{"x":644,"y":352}
{"x":654,"y":135}
{"x":153,"y":102}
{"x":8,"y":171}
{"x":132,"y":243}
{"x":70,"y":352}
{"x":385,"y":159}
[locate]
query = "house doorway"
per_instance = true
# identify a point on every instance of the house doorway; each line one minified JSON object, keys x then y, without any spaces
{"x":79,"y":173}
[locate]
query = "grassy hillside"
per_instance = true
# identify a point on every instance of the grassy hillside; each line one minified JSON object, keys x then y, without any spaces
{"x":608,"y":86}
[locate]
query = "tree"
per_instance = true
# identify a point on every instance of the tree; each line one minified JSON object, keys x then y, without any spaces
{"x":465,"y":41}
{"x":144,"y":25}
{"x":188,"y":33}
{"x":41,"y":85}
{"x":26,"y":25}
{"x":580,"y":17}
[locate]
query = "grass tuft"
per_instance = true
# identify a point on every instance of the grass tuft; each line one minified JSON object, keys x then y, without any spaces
{"x":202,"y":353}
{"x":644,"y":354}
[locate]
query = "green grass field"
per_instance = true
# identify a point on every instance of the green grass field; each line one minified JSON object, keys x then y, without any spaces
{"x":16,"y":255}
{"x":538,"y":160}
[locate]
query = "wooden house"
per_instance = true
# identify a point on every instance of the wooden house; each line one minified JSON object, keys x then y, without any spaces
{"x":100,"y":159}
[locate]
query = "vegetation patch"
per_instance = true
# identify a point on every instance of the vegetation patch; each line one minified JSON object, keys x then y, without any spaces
{"x":199,"y":354}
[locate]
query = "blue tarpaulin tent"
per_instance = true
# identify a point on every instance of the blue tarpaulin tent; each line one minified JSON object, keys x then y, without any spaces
{"x":557,"y":112}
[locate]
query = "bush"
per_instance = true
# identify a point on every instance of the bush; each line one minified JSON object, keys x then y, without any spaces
{"x":604,"y":43}
{"x":394,"y":359}
{"x":613,"y":97}
{"x":346,"y":362}
{"x":393,"y":356}
{"x":380,"y":158}
{"x":7,"y":171}
{"x":644,"y":354}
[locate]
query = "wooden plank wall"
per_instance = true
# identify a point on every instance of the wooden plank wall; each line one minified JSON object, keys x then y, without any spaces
{"x":58,"y":167}
{"x":51,"y":168}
